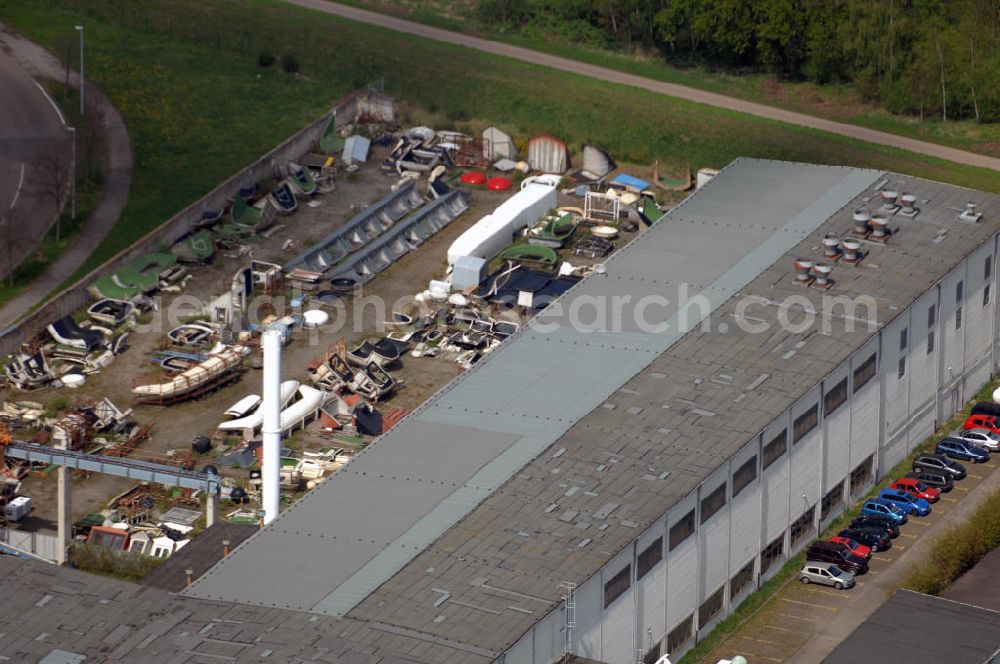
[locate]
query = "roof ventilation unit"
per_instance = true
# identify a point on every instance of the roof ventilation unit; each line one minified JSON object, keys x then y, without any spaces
{"x":802,"y":272}
{"x":909,"y":202}
{"x":969,"y":214}
{"x":852,"y":251}
{"x":879,"y":233}
{"x":831,"y":246}
{"x":860,"y":218}
{"x":822,"y":273}
{"x":889,"y":198}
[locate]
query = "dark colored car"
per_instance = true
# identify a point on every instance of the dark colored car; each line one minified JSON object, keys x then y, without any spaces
{"x":959,"y":449}
{"x":838,"y":554}
{"x":936,"y":463}
{"x":986,"y":408}
{"x":878,"y":539}
{"x":876,"y":522}
{"x":940,"y":481}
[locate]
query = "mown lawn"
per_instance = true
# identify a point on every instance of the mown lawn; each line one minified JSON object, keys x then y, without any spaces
{"x":186,"y":78}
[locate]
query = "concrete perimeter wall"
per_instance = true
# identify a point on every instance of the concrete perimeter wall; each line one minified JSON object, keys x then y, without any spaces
{"x":349,"y":108}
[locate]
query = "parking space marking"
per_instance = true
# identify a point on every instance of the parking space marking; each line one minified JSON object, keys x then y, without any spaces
{"x":989,"y":465}
{"x":902,"y":547}
{"x":828,"y":593}
{"x":960,"y":488}
{"x":950,"y":500}
{"x":754,"y":657}
{"x":818,"y":606}
{"x":919,"y":523}
{"x":911,"y":536}
{"x":754,"y":638}
{"x":781,"y":629}
{"x":790,"y":615}
{"x":885,"y":558}
{"x":974,"y":476}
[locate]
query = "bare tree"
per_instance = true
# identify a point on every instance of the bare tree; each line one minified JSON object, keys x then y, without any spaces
{"x":51,"y":168}
{"x":10,"y":239}
{"x":65,"y":46}
{"x":89,"y":139}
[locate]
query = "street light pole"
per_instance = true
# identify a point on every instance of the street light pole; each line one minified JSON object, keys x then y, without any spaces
{"x":79,"y":29}
{"x":72,"y":178}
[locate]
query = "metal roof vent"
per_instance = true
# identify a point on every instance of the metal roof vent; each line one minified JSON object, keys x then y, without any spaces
{"x":879,"y":233}
{"x":889,"y":198}
{"x":822,"y":273}
{"x":860,"y":219}
{"x":969,"y":214}
{"x":831,"y":246}
{"x":909,"y":202}
{"x":852,"y":253}
{"x":802,"y":272}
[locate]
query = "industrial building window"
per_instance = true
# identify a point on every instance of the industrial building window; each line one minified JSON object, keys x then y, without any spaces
{"x":930,"y":342}
{"x":742,"y":579}
{"x":713,"y":502}
{"x":902,"y":367}
{"x":648,"y":558}
{"x":679,"y":635}
{"x":988,"y":267}
{"x":618,"y":584}
{"x":711,"y":606}
{"x":803,"y":526}
{"x":831,"y":500}
{"x":861,"y":474}
{"x":772,"y":553}
{"x":958,"y":291}
{"x":652,"y":654}
{"x":804,"y":423}
{"x":744,"y":475}
{"x":931,"y":316}
{"x":864,"y":373}
{"x":986,"y":295}
{"x":777,"y":447}
{"x":902,"y":340}
{"x":835,"y":398}
{"x":958,"y":318}
{"x":681,"y":530}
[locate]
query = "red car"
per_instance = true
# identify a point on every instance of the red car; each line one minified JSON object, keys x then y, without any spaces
{"x":917,"y":489}
{"x":856,"y":547}
{"x":981,"y":421}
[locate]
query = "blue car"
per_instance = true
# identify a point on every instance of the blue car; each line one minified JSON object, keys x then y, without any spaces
{"x":885,"y":509}
{"x":960,"y":449}
{"x":906,"y":502}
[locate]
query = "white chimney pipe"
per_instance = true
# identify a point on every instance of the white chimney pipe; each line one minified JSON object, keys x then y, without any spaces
{"x":271,"y":405}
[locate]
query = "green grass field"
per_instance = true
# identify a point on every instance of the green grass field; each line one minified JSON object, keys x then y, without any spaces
{"x":185,"y":76}
{"x":838,"y":102}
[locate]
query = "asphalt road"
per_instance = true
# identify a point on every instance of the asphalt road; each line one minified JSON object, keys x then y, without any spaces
{"x":116,"y":178}
{"x":30,"y":123}
{"x":670,"y":89}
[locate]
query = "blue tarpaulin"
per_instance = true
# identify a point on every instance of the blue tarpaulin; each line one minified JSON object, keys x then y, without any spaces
{"x":627,"y":181}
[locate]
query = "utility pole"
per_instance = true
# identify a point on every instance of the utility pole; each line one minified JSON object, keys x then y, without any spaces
{"x":79,"y":29}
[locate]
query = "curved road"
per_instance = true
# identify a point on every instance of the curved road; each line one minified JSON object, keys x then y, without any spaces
{"x":670,"y":89}
{"x":30,"y":125}
{"x":115,"y":183}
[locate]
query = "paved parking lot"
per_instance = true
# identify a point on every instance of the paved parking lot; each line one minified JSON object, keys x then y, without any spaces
{"x":801,"y":624}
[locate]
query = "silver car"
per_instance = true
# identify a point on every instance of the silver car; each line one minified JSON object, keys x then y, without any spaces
{"x":826,"y":574}
{"x":981,"y":437}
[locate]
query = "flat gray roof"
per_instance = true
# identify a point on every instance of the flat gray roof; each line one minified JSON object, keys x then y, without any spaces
{"x":559,"y":449}
{"x":912,"y":627}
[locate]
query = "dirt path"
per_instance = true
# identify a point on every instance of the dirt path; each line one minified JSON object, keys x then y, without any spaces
{"x":117,"y":177}
{"x":670,"y":89}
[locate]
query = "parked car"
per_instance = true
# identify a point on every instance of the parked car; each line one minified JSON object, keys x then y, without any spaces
{"x":876,"y":538}
{"x":876,"y":522}
{"x":943,"y":482}
{"x":840,"y":555}
{"x":986,"y":408}
{"x":990,"y":422}
{"x":854,"y":546}
{"x":959,"y":449}
{"x":879,"y":507}
{"x":939,"y":464}
{"x":981,"y":437}
{"x":917,"y":489}
{"x":906,"y":502}
{"x":827,"y":574}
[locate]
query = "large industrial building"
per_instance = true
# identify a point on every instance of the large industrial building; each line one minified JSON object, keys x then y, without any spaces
{"x":613,"y":488}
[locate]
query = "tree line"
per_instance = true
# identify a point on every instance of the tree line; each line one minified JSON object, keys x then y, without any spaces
{"x":920,"y":57}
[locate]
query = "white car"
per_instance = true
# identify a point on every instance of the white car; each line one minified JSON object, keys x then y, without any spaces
{"x":982,"y":437}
